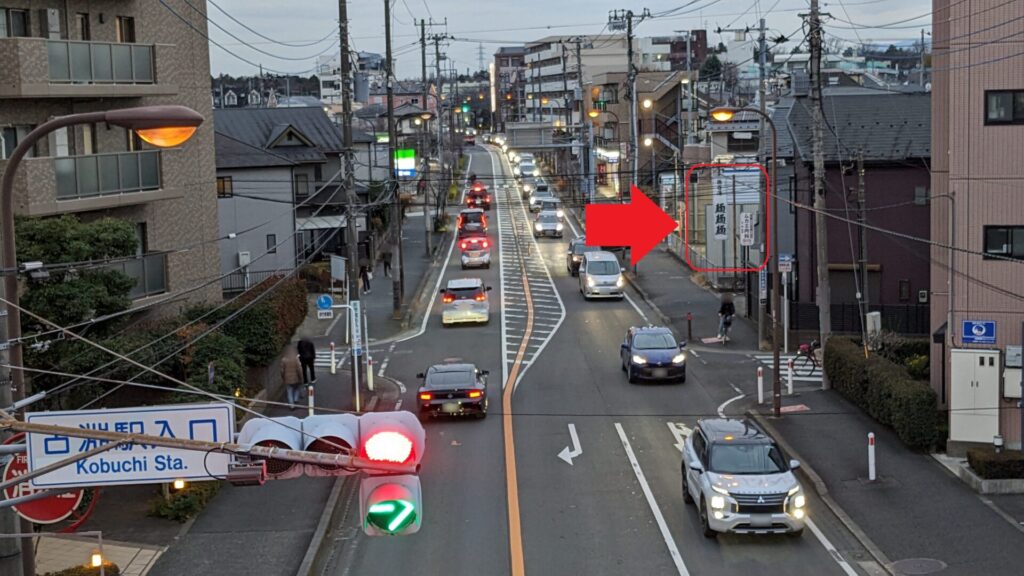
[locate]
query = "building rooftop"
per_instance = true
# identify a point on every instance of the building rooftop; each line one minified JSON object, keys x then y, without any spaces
{"x":295,"y":135}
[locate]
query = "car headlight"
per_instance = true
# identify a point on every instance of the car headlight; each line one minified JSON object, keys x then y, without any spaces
{"x":559,"y":227}
{"x":619,"y":282}
{"x":526,"y":187}
{"x":532,"y":201}
{"x":638,"y":359}
{"x":561,"y":213}
{"x":794,"y":490}
{"x":799,"y":513}
{"x":538,"y":227}
{"x":720,"y":490}
{"x":800,"y":501}
{"x":577,"y":258}
{"x":718,"y":502}
{"x":679,"y":358}
{"x":590,"y":282}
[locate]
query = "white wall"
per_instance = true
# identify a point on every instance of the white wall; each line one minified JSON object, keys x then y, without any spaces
{"x":260,"y":195}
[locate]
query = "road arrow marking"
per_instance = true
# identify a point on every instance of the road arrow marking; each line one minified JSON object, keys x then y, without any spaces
{"x":680,"y":431}
{"x":568,"y":454}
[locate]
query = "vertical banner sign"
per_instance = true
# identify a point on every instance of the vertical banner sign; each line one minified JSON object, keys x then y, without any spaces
{"x":747,"y":229}
{"x":720,"y":203}
{"x":356,"y":314}
{"x":762,"y":281}
{"x":405,"y":162}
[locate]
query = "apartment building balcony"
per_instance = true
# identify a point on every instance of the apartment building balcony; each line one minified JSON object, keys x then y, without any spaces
{"x":59,"y":185}
{"x":42,"y":68}
{"x":149,"y":273}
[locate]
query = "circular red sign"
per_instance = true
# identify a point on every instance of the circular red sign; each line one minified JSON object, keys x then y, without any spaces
{"x":45,"y":510}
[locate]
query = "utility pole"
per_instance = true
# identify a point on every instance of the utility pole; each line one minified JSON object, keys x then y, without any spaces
{"x":824,"y":299}
{"x":423,"y":145}
{"x":584,"y":158}
{"x":351,"y":223}
{"x":634,"y":136}
{"x":762,"y":316}
{"x":862,"y":233}
{"x":442,"y":196}
{"x":691,"y":125}
{"x":396,"y":213}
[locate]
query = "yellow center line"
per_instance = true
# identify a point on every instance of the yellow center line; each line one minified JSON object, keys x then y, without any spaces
{"x":515,"y":533}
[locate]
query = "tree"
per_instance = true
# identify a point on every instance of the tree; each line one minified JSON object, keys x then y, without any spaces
{"x":711,"y":69}
{"x":848,"y":53}
{"x":76,"y":293}
{"x":721,"y":49}
{"x":796,"y":50}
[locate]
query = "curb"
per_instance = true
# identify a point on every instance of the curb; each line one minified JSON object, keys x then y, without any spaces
{"x":812,"y":477}
{"x":314,"y":557}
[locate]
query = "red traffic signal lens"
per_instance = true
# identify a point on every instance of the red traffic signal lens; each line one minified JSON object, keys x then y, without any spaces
{"x":388,"y":446}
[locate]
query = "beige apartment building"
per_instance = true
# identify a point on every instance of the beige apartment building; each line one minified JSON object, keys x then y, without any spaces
{"x":61,"y":57}
{"x":977,"y":205}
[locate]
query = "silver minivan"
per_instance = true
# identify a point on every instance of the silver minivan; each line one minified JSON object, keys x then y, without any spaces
{"x":601,"y":276}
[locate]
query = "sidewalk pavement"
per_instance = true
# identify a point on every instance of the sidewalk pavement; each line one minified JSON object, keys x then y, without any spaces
{"x":54,"y":554}
{"x":916,"y":512}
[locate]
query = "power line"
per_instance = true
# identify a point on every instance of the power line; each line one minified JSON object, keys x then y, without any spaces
{"x":329,"y":35}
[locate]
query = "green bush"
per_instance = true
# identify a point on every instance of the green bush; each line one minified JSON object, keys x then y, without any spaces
{"x":919,"y":366}
{"x":886,"y":391}
{"x":186,"y":503}
{"x":996,"y":466}
{"x":109,"y":568}
{"x":265,"y":328}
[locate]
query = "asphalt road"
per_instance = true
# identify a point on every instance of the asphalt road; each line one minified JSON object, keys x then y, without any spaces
{"x":617,"y":509}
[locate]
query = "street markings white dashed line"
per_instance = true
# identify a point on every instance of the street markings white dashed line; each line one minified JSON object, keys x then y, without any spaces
{"x":721,"y":409}
{"x":831,"y":549}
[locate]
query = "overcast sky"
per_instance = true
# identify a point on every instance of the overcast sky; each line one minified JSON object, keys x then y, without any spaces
{"x":498,"y":23}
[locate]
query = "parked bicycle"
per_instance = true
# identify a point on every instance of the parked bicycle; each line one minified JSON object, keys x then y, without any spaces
{"x":806,"y":360}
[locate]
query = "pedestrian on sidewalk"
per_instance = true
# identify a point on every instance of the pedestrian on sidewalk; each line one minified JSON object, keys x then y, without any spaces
{"x":725,"y":315}
{"x":307,"y":357}
{"x":387,"y":263}
{"x":365,"y":275}
{"x":291,"y":374}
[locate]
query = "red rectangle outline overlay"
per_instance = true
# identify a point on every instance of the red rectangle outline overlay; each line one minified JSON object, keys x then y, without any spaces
{"x":768,"y":220}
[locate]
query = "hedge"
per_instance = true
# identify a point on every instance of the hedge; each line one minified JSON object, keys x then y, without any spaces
{"x":109,"y":568}
{"x":989,"y":464}
{"x":886,"y":391}
{"x":186,"y":503}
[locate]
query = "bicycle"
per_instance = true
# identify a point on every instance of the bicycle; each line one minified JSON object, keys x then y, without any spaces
{"x":723,"y":333}
{"x":806,"y":360}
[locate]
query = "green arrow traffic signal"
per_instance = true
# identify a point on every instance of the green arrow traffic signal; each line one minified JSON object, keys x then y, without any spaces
{"x":465,"y":108}
{"x":391,"y":516}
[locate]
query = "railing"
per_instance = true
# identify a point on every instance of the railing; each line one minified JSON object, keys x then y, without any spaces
{"x":104,"y":174}
{"x":100,"y":63}
{"x":149,"y":273}
{"x":242,"y":281}
{"x":899,"y":318}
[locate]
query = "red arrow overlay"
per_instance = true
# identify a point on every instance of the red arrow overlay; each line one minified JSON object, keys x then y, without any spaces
{"x":641,"y":224}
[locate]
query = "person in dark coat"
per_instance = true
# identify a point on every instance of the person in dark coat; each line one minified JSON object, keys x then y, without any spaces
{"x":386,"y":257}
{"x":307,"y":357}
{"x":291,"y":375}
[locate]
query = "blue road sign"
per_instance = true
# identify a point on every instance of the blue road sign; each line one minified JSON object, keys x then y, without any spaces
{"x":357,"y":351}
{"x":324,"y":302}
{"x":978,"y":332}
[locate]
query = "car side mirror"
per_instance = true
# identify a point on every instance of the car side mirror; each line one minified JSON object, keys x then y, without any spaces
{"x":485,"y":372}
{"x":794,"y":464}
{"x":420,"y":375}
{"x":622,"y":269}
{"x":696,"y":466}
{"x":489,"y":288}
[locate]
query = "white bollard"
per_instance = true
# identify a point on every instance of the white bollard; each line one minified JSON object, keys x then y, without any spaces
{"x":760,"y":385}
{"x":334,"y":360}
{"x":871,"y":456}
{"x":789,"y":378}
{"x":309,"y":396}
{"x":369,"y":372}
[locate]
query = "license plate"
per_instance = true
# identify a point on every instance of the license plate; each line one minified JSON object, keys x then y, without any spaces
{"x":450,"y":407}
{"x":760,"y":520}
{"x":659,"y":372}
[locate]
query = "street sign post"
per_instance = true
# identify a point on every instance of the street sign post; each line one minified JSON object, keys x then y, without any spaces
{"x":132,"y":463}
{"x":324,"y":302}
{"x":785,"y":263}
{"x":747,"y":229}
{"x":48,"y":510}
{"x":762,"y":282}
{"x":978,"y":332}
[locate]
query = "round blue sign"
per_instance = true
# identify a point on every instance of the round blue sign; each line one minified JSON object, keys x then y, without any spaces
{"x":324,"y":302}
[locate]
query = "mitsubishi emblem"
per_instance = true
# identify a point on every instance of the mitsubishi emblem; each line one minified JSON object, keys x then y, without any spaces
{"x":760,"y":499}
{"x":449,"y":396}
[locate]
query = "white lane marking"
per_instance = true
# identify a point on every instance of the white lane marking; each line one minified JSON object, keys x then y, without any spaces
{"x":637,"y":308}
{"x":673,"y":550}
{"x":830,"y":548}
{"x":440,"y":277}
{"x":504,"y":296}
{"x":570,"y":452}
{"x":680,"y":431}
{"x":736,"y":388}
{"x":721,"y":409}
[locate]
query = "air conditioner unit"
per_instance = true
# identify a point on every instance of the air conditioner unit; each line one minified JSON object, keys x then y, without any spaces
{"x":244,"y":258}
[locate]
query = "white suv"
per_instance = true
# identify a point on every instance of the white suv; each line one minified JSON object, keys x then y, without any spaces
{"x":740,"y":480}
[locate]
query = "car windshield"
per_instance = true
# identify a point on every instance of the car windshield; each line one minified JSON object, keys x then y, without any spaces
{"x":550,"y":204}
{"x":465,"y":293}
{"x":747,"y":459}
{"x":659,"y":341}
{"x":603,"y":268}
{"x":543,"y":194}
{"x":548,"y":219}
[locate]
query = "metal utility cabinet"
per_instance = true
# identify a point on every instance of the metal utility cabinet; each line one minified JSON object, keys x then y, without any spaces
{"x":974,"y":395}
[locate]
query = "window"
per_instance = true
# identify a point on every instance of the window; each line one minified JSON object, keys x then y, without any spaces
{"x":225,"y":187}
{"x":11,"y":136}
{"x":13,"y":22}
{"x":920,"y":195}
{"x":142,"y":239}
{"x":82,"y":26}
{"x":302,"y":184}
{"x":1004,"y":107}
{"x":318,"y":175}
{"x":126,"y":29}
{"x":904,"y":290}
{"x":1004,"y":241}
{"x":271,"y":243}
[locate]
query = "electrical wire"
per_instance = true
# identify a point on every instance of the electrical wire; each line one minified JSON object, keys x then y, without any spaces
{"x":271,"y":40}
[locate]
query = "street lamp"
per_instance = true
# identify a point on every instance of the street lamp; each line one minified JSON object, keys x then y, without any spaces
{"x":725,"y":114}
{"x":648,"y":103}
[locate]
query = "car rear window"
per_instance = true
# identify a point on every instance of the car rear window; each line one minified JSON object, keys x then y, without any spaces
{"x":460,"y":379}
{"x":472,"y":217}
{"x":465,"y":293}
{"x":581,"y":248}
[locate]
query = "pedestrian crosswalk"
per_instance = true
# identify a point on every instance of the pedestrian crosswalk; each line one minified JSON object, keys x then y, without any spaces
{"x":801,"y":373}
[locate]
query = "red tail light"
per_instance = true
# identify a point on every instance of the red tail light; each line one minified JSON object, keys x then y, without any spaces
{"x":474,"y":394}
{"x":480,"y":298}
{"x":487,"y":198}
{"x":486,"y":244}
{"x":464,"y":245}
{"x":426,"y":396}
{"x":448,"y":298}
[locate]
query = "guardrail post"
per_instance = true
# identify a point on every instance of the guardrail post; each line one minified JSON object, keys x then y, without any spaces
{"x":789,"y":377}
{"x":689,"y":325}
{"x":334,"y":360}
{"x":309,"y":397}
{"x":871,"y":456}
{"x":760,"y":385}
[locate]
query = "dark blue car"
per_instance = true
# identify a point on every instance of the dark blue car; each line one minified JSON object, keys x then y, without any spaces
{"x":651,"y":353}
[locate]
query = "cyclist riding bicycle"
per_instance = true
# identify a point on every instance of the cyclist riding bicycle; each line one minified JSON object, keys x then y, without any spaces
{"x":725,"y":315}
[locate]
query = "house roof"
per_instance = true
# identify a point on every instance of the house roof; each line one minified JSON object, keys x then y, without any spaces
{"x":260,"y":128}
{"x":232,"y":153}
{"x":884,"y":126}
